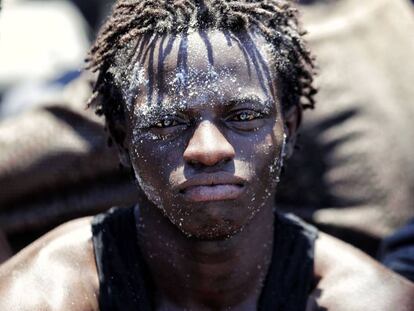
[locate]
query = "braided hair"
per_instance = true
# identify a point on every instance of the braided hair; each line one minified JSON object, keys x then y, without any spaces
{"x":132,"y":20}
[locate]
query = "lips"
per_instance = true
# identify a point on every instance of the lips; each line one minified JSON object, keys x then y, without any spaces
{"x":212,"y":187}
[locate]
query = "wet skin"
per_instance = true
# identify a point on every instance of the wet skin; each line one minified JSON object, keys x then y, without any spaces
{"x":207,"y":163}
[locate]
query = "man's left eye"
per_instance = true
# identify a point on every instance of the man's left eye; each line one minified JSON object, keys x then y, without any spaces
{"x":247,"y":116}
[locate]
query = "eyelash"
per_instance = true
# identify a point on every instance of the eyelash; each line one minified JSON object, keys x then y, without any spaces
{"x":170,"y":122}
{"x":244,"y":116}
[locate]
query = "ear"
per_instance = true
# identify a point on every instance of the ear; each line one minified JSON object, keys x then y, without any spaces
{"x":117,"y":131}
{"x":293,"y":118}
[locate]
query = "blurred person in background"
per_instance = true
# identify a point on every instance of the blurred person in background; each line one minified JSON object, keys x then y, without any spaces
{"x":38,"y":57}
{"x":356,"y":156}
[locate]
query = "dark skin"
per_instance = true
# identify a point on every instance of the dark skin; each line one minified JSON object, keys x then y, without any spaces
{"x":208,"y":244}
{"x":206,"y":141}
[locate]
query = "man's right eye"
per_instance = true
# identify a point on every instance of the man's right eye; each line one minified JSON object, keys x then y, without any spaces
{"x":167,"y":122}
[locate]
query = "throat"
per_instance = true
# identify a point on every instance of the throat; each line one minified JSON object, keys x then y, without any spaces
{"x":206,"y":275}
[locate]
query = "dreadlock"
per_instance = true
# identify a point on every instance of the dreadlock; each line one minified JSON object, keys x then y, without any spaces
{"x":276,"y":20}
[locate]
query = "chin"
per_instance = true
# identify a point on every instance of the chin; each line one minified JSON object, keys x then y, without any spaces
{"x":212,"y":234}
{"x":212,"y":229}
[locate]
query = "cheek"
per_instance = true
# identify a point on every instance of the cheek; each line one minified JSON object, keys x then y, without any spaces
{"x":156,"y":161}
{"x":267,"y":156}
{"x":153,"y":163}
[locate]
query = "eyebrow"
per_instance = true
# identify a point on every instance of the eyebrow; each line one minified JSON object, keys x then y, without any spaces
{"x":149,"y":114}
{"x":251,"y":99}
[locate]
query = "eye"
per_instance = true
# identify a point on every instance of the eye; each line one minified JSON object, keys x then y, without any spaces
{"x":247,"y":119}
{"x":244,"y":116}
{"x":166,"y":122}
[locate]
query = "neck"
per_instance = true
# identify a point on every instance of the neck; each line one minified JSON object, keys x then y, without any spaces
{"x":206,"y":275}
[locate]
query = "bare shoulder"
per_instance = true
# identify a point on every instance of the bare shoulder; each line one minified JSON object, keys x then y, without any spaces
{"x":57,"y":272}
{"x":351,"y":280}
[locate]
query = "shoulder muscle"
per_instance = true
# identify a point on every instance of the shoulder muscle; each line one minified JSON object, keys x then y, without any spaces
{"x":351,"y":280}
{"x":57,"y":272}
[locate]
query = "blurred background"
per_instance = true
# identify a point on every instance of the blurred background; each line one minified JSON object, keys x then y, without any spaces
{"x":353,"y":172}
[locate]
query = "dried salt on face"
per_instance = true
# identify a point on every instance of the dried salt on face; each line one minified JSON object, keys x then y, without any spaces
{"x":136,"y":81}
{"x":209,"y":88}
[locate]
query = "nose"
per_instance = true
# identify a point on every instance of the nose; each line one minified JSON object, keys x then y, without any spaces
{"x":208,"y":146}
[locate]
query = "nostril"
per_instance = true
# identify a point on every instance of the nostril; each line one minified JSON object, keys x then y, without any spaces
{"x":227,"y":160}
{"x":202,"y":160}
{"x":193,"y":162}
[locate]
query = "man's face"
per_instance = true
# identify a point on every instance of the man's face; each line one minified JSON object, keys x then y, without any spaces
{"x":204,"y":129}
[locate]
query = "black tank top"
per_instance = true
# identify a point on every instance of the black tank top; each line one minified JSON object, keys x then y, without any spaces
{"x":125,"y":283}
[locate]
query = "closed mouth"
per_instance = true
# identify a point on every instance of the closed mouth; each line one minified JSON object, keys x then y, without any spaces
{"x":212,"y":187}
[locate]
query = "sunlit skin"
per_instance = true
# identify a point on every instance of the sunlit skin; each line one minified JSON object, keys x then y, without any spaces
{"x":207,"y":161}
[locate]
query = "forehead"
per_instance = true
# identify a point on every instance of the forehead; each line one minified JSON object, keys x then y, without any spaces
{"x":216,"y":50}
{"x":199,"y":66}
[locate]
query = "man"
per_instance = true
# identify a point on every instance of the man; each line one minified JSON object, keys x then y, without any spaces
{"x":203,"y":100}
{"x":344,"y":142}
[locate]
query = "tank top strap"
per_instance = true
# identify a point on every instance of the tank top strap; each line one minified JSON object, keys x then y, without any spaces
{"x":126,"y":285}
{"x":123,"y":279}
{"x":290,"y":277}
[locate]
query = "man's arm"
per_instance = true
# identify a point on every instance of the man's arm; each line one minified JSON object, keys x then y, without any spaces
{"x":57,"y":272}
{"x":350,"y":280}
